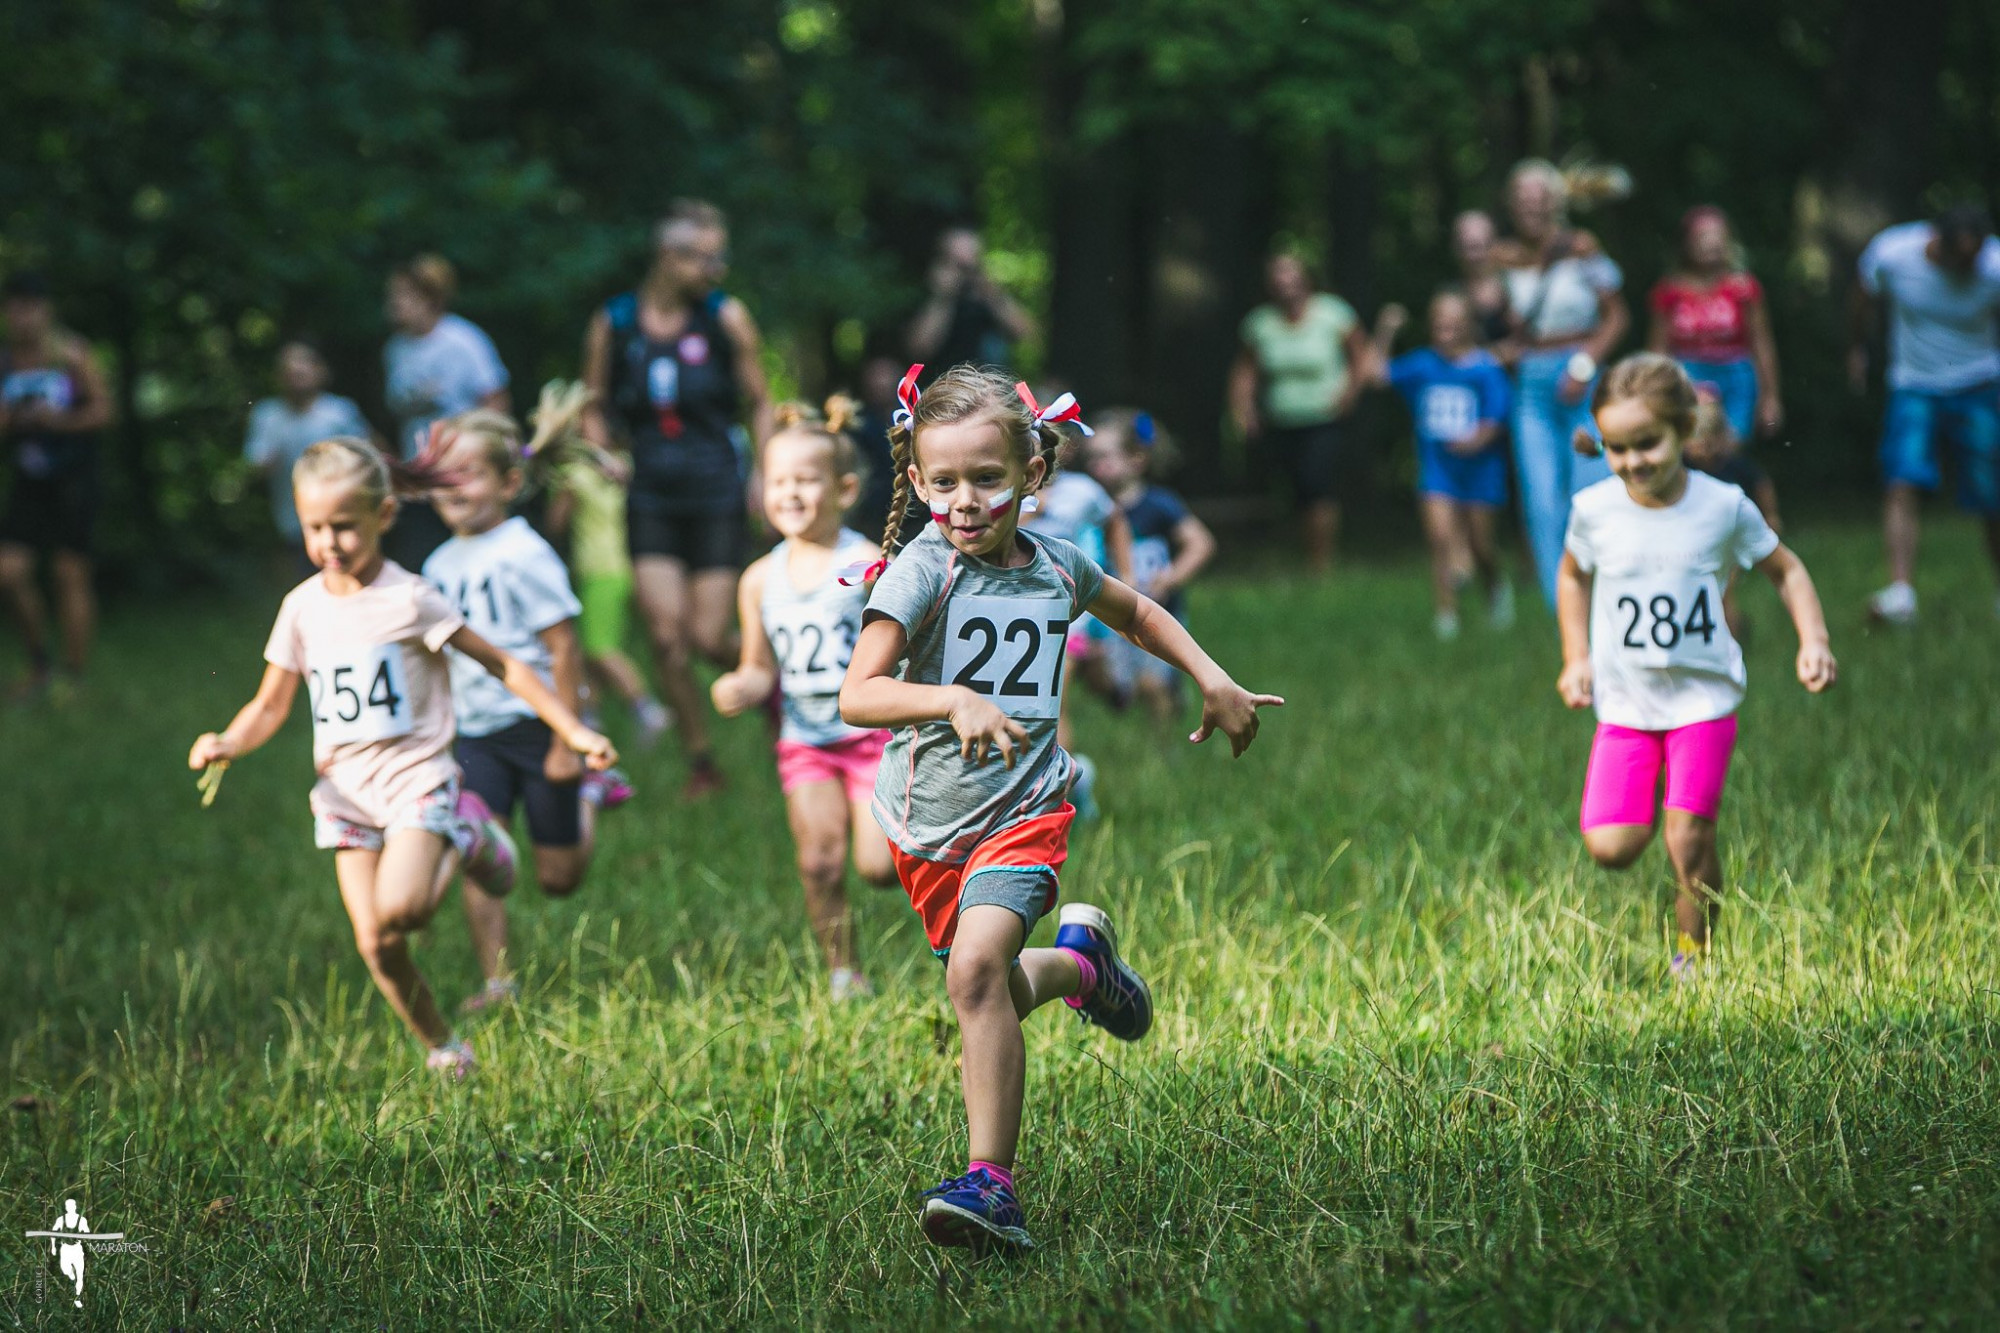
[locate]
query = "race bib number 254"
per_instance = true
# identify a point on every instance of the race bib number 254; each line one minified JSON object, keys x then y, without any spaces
{"x":361,"y":697}
{"x":1009,"y":650}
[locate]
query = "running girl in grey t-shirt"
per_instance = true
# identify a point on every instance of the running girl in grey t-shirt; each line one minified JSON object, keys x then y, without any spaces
{"x":961,"y":653}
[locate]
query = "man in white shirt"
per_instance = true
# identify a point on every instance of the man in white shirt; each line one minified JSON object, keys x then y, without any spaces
{"x":1941,"y":284}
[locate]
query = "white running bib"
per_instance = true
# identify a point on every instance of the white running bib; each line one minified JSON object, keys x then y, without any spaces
{"x":1009,"y":650}
{"x":362,"y":695}
{"x":1663,"y":619}
{"x":813,"y":641}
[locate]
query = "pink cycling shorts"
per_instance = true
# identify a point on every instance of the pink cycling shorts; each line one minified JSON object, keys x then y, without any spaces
{"x":1623,"y":780}
{"x":851,"y":763}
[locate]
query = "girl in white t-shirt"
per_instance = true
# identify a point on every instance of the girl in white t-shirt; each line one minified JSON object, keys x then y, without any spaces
{"x":368,"y":637}
{"x":801,"y":611}
{"x":1639,"y":598}
{"x":510,"y":585}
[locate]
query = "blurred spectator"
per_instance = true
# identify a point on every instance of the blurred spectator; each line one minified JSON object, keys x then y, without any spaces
{"x":436,"y":365}
{"x":1293,"y":383}
{"x":281,"y":428}
{"x":1941,"y":283}
{"x":1565,"y":295}
{"x":1710,"y":316}
{"x":53,"y":401}
{"x":1472,"y":245}
{"x":968,"y":318}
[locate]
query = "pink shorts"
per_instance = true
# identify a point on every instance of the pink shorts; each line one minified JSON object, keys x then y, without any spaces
{"x":1623,"y":780}
{"x":851,"y":763}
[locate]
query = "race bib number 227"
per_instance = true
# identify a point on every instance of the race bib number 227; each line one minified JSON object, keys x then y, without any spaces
{"x":1009,"y":650}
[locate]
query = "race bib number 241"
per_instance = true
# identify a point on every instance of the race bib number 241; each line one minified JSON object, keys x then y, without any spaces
{"x":1009,"y":650}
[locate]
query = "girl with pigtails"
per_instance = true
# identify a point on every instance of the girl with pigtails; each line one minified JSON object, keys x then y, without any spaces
{"x":801,"y":618}
{"x":368,"y":638}
{"x":960,"y":656}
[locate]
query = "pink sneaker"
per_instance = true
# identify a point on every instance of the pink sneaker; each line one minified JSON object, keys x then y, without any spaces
{"x":485,"y":848}
{"x":454,"y":1059}
{"x":607,"y":790}
{"x":497,"y":991}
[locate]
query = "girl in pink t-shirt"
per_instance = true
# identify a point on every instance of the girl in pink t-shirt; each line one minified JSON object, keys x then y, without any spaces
{"x":368,"y":637}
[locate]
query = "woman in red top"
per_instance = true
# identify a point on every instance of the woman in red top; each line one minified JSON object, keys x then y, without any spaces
{"x":1710,"y":316}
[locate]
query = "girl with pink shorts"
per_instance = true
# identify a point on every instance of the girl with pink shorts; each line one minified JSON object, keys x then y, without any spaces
{"x":801,"y":610}
{"x":1639,"y":598}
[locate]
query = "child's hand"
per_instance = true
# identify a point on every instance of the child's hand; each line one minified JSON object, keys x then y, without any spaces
{"x":983,"y":729}
{"x":1817,"y":669}
{"x":1232,"y":710}
{"x":734,"y":693}
{"x":1574,"y":684}
{"x":597,"y":750}
{"x":211,"y":748}
{"x":561,"y":764}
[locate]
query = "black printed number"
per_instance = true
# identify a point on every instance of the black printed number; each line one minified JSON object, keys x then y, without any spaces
{"x":811,"y":641}
{"x":1666,"y":627}
{"x":1017,"y":683}
{"x":345,"y":700}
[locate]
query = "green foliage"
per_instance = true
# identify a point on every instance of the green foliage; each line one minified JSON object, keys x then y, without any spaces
{"x":1417,"y":1060}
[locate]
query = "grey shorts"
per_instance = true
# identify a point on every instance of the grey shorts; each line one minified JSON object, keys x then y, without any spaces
{"x":1028,"y":894}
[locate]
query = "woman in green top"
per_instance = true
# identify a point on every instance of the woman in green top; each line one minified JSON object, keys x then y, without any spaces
{"x":1294,"y":381}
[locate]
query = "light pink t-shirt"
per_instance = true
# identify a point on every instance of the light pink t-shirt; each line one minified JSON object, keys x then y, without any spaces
{"x":379,"y":688}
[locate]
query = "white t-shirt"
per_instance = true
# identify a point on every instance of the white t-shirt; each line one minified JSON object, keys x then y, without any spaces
{"x":509,"y":585}
{"x":1942,"y":336}
{"x":278,"y":435}
{"x":1661,"y":655}
{"x":1561,"y":300}
{"x":447,"y":371}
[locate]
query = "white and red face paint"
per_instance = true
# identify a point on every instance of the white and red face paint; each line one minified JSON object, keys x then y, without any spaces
{"x":995,"y":507}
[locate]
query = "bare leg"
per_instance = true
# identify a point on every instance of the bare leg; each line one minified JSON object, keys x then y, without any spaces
{"x":1698,"y":872}
{"x":872,"y":859}
{"x":1451,"y":555}
{"x":818,"y":813}
{"x":712,"y":619}
{"x":990,"y":996}
{"x":1322,"y":524}
{"x":560,"y":870}
{"x":1899,"y":531}
{"x":486,"y":923}
{"x":661,"y":585}
{"x":619,"y":674}
{"x":1616,"y":846}
{"x":389,"y":894}
{"x":24,"y":600}
{"x":76,"y":607}
{"x":1480,"y":523}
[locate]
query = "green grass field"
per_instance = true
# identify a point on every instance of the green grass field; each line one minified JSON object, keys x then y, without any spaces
{"x":1417,"y":1061}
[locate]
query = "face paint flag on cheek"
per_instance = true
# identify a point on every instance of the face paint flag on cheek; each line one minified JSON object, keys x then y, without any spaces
{"x":941,"y":511}
{"x":1001,"y":503}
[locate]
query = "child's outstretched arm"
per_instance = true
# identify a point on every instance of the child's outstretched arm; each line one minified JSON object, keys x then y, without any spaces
{"x":1573,"y":616}
{"x":255,"y":723}
{"x":1816,"y":667}
{"x":521,"y":680}
{"x":756,"y":673}
{"x":1225,"y":706}
{"x":873,"y":696}
{"x":1194,"y":547}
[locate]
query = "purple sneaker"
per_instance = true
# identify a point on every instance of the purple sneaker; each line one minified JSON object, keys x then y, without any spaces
{"x":607,"y":790}
{"x":975,"y":1212}
{"x":454,"y":1059}
{"x":486,"y":850}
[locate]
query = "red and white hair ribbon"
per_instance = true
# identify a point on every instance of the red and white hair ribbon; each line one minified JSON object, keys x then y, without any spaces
{"x":908,"y":395}
{"x":1063,"y":409}
{"x":862,"y":571}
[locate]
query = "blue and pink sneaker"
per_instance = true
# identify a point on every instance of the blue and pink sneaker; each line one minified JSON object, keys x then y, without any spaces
{"x":975,"y":1212}
{"x":1121,"y":1003}
{"x":486,"y":850}
{"x":607,"y":790}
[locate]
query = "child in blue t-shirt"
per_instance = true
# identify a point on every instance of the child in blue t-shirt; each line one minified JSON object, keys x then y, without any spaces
{"x":1169,"y":544}
{"x":1458,"y":396}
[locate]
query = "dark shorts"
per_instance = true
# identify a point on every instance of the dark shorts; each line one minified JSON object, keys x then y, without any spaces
{"x":698,"y":540}
{"x":52,"y":513}
{"x":506,"y":768}
{"x":1315,"y":458}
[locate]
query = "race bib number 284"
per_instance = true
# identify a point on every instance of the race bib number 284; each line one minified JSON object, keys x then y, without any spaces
{"x":1009,"y":650}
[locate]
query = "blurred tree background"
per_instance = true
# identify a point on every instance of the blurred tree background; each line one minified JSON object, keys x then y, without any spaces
{"x":201,"y":177}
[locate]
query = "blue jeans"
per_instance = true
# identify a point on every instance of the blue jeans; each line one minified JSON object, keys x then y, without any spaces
{"x":1970,"y":418}
{"x":1549,"y":468}
{"x":1735,"y":383}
